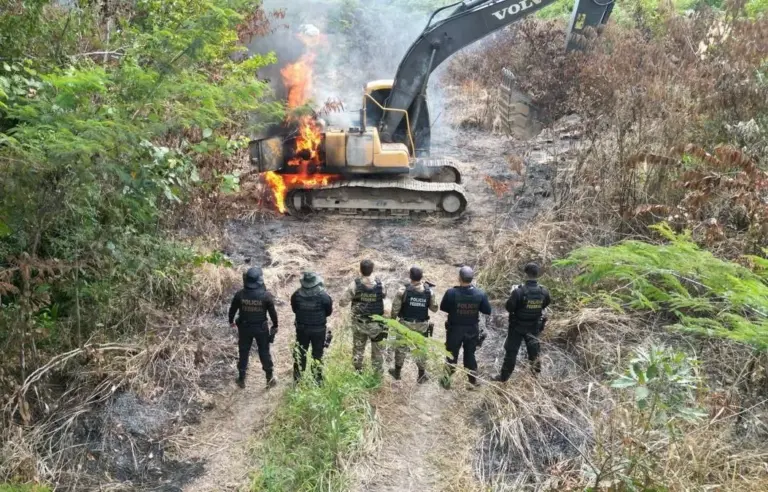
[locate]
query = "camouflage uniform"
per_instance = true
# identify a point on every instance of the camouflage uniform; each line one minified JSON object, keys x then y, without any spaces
{"x":362,"y":332}
{"x":402,"y":351}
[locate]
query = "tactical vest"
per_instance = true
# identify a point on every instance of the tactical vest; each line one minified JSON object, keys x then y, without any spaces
{"x":310,"y":311}
{"x":367,"y":300}
{"x":530,"y":307}
{"x":466,"y":307}
{"x":253,"y":309}
{"x":415,"y":305}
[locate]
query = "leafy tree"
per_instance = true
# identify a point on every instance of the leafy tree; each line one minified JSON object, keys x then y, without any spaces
{"x":112,"y":116}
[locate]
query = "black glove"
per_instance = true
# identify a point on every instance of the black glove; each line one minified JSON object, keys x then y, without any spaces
{"x":328,"y":339}
{"x":381,"y":336}
{"x":430,"y":330}
{"x":481,"y":338}
{"x":272,"y":333}
{"x":542,"y":324}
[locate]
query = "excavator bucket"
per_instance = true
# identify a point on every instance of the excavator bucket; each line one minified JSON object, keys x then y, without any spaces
{"x":518,"y":114}
{"x":588,"y":16}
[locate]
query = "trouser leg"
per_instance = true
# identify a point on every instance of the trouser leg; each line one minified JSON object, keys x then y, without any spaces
{"x":359,"y":341}
{"x":453,"y":343}
{"x":262,"y":342}
{"x":533,"y":347}
{"x":318,"y":347}
{"x":300,"y":354}
{"x":377,"y":356}
{"x":400,"y":354}
{"x":470,"y":363}
{"x":244,"y":342}
{"x":511,"y":347}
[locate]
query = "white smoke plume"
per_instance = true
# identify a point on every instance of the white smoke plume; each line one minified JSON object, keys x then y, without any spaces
{"x":363,"y":40}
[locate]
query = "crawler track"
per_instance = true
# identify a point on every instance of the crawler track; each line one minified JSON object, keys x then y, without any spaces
{"x":432,"y":189}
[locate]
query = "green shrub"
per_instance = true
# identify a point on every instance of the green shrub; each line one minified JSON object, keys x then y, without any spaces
{"x":316,"y":428}
{"x":700,"y":292}
{"x":657,"y":410}
{"x":104,"y":135}
{"x":7,"y":487}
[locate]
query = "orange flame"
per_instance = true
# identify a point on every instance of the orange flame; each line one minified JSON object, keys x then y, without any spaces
{"x":281,"y":183}
{"x":297,"y":78}
{"x":308,"y":141}
{"x":279,"y":190}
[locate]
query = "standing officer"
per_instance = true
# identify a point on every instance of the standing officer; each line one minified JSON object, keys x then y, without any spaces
{"x":526,"y":306}
{"x":253,"y":303}
{"x":366,"y":295}
{"x":411,"y":306}
{"x":464,"y":305}
{"x":312,"y":305}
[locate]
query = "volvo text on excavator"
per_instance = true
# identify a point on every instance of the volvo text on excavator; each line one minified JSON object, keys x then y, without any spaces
{"x":383,"y":167}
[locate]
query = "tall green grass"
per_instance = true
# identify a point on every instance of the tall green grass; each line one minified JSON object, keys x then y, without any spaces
{"x":7,"y":487}
{"x":317,"y":429}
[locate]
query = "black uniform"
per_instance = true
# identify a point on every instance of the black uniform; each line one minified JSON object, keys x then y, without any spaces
{"x":312,"y":308}
{"x":525,"y":305}
{"x":464,"y":305}
{"x":253,"y":305}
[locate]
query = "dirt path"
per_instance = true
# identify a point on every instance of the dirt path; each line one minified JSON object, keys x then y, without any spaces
{"x":226,"y":434}
{"x":426,"y":437}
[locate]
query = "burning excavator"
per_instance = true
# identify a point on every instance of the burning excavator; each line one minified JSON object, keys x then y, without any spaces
{"x":382,"y":167}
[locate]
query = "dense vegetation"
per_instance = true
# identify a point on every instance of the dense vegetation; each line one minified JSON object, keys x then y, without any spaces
{"x":658,"y":238}
{"x":113,"y":118}
{"x":704,"y":294}
{"x":118,"y":121}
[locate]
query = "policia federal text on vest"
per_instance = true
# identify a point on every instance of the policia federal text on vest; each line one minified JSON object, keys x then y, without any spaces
{"x":368,"y":300}
{"x":415,"y":307}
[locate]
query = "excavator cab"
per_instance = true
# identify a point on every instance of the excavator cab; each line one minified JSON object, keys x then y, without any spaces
{"x":414,"y":133}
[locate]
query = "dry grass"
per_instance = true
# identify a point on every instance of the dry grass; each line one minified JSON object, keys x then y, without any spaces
{"x":40,"y":437}
{"x":509,"y":251}
{"x":473,"y":105}
{"x":564,"y":429}
{"x":288,"y":258}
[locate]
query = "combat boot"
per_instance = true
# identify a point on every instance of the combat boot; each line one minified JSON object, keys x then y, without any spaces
{"x":472,"y":376}
{"x":423,"y":377}
{"x":241,"y":380}
{"x":395,"y":372}
{"x":501,"y":378}
{"x":536,"y":367}
{"x":271,"y":380}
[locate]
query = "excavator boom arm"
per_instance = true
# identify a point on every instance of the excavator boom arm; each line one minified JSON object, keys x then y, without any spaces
{"x":471,"y":21}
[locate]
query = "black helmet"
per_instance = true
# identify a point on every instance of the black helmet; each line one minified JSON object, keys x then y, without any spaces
{"x":253,"y":278}
{"x":466,"y":274}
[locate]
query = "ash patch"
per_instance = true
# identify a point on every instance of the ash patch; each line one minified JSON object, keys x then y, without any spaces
{"x":126,"y":442}
{"x":388,"y":238}
{"x":524,"y":439}
{"x":248,"y":240}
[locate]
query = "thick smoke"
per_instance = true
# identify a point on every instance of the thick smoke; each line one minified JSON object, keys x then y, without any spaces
{"x":363,"y":40}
